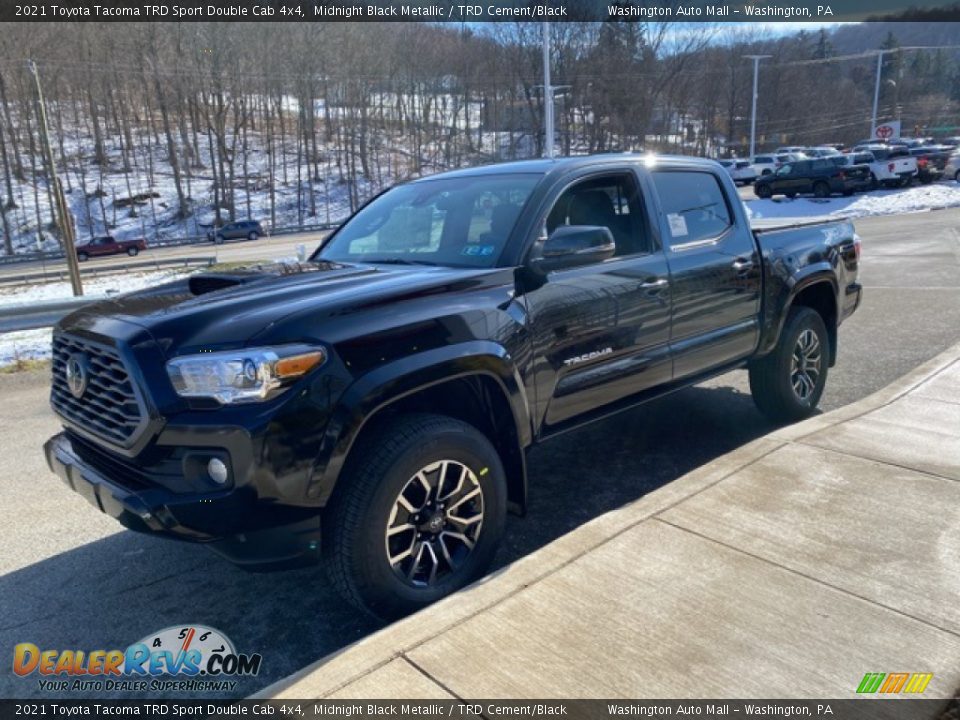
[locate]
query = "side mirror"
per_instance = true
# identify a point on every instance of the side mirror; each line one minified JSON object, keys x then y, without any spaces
{"x":574,"y":245}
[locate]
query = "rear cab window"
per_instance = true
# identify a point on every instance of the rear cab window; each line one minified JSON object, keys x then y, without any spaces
{"x":695,"y":206}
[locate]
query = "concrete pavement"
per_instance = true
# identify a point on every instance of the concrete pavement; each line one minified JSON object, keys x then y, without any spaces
{"x":789,"y":567}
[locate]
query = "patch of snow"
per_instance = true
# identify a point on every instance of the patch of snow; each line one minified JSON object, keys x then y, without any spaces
{"x":94,"y":288}
{"x":878,"y":202}
{"x":25,"y":345}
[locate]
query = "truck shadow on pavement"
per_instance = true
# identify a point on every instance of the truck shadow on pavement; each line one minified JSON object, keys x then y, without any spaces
{"x":115,"y":591}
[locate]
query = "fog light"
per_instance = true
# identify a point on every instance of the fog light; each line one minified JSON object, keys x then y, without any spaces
{"x":217,"y":471}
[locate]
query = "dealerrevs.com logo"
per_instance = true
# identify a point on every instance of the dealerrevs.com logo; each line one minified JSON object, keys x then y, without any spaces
{"x":178,"y":658}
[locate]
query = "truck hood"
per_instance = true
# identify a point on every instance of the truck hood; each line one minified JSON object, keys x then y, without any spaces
{"x":230,"y":309}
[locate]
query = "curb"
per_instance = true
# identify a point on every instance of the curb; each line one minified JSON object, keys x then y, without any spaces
{"x":378,"y":649}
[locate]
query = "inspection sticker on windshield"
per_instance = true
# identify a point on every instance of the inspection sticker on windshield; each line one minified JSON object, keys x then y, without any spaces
{"x":678,"y":224}
{"x":477,"y":250}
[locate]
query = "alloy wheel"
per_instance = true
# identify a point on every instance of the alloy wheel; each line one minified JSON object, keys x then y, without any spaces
{"x":805,"y":365}
{"x":434,"y":523}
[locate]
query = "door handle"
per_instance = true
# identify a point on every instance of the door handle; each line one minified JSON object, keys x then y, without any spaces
{"x":655,"y":284}
{"x":742,"y":265}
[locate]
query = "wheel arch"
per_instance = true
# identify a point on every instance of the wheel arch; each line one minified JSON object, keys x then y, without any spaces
{"x":483,"y":389}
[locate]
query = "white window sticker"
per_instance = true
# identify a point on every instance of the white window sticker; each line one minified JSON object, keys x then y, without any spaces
{"x":678,"y":225}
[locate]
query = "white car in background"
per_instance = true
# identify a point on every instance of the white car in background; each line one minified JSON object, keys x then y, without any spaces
{"x":952,"y":168}
{"x":791,"y":149}
{"x":821,"y":152}
{"x":740,"y":170}
{"x":892,"y":165}
{"x":770,"y":162}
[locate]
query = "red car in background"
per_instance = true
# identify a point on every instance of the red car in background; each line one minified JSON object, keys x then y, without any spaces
{"x":107,"y":245}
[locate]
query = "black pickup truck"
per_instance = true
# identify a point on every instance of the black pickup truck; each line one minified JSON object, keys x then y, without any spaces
{"x":373,"y":406}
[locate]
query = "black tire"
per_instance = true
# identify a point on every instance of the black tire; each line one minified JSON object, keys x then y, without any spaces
{"x":771,"y":377}
{"x":763,"y":191}
{"x":956,"y":176}
{"x":821,"y":190}
{"x":379,"y":468}
{"x":82,"y":257}
{"x":874,"y":183}
{"x":133,"y":252}
{"x":253,"y":235}
{"x":218,"y":239}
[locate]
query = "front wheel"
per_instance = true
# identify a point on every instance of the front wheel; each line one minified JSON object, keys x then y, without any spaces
{"x":763,"y":191}
{"x":821,"y":190}
{"x":82,"y":257}
{"x":787,"y":384}
{"x":417,"y":515}
{"x":132,"y":252}
{"x":252,"y":235}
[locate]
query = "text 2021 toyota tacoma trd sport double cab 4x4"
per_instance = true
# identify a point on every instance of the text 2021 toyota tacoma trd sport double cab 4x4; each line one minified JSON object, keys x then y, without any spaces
{"x":373,"y":406}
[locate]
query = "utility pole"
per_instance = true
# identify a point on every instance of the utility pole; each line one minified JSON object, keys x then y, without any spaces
{"x":62,"y":211}
{"x":753,"y":113}
{"x":547,"y":93}
{"x":876,"y":95}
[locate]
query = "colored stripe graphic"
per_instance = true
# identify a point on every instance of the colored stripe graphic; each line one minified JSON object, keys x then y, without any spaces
{"x":892,"y":683}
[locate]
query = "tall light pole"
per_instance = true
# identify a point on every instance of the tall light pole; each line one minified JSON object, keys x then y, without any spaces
{"x":547,"y":94}
{"x":753,"y":113}
{"x":876,"y":95}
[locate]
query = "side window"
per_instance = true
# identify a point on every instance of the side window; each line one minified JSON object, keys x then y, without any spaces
{"x":611,"y":201}
{"x":694,"y":204}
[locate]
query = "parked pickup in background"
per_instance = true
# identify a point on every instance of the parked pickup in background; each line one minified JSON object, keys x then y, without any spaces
{"x":931,"y":162}
{"x":892,"y":165}
{"x":374,"y":405}
{"x":107,"y":245}
{"x":820,"y":177}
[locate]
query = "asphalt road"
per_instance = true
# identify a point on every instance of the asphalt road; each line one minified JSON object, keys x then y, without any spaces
{"x":71,"y":578}
{"x":233,"y":251}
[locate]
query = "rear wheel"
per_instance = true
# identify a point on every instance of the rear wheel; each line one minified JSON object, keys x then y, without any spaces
{"x":218,"y":239}
{"x":874,"y":183}
{"x":418,"y":514}
{"x":763,"y":191}
{"x":253,"y":235}
{"x":821,"y":190}
{"x":132,"y":251}
{"x":787,"y":384}
{"x":82,"y":257}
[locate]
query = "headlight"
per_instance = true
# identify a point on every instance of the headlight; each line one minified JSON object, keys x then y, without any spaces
{"x":245,"y":375}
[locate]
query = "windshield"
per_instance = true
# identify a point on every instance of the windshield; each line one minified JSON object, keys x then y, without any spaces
{"x":458,"y":222}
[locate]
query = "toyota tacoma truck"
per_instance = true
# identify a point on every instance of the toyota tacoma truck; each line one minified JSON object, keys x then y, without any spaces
{"x":372,"y":407}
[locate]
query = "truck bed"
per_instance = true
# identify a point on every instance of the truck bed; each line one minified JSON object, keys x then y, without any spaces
{"x":766,"y":225}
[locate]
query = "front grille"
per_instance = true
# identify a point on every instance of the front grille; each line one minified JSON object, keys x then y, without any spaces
{"x":108,"y":407}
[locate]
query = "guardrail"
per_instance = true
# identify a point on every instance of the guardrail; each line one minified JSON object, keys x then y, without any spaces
{"x":40,"y":315}
{"x":64,"y":274}
{"x":162,"y":242}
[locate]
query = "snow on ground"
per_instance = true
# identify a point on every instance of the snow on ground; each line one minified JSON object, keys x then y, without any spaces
{"x":35,"y":344}
{"x":878,"y":202}
{"x":25,"y":345}
{"x":92,"y":287}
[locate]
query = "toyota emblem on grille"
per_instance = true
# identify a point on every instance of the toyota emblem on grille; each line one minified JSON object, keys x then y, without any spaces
{"x":77,"y":374}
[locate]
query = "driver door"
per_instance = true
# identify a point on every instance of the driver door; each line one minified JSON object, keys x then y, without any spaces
{"x":601,"y":331}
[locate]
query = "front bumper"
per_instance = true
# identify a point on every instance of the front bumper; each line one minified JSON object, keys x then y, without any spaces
{"x":286,"y":539}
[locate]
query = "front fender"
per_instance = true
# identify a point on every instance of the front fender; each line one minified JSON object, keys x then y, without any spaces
{"x":393,"y":381}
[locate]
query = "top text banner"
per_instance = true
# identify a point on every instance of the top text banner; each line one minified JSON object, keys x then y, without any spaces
{"x":713,"y":11}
